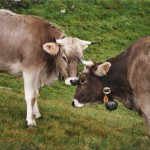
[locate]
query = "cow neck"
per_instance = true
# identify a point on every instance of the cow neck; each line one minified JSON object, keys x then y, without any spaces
{"x":116,"y":79}
{"x":105,"y":81}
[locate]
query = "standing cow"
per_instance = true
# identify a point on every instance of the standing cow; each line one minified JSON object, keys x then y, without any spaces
{"x":125,"y":77}
{"x":37,"y":50}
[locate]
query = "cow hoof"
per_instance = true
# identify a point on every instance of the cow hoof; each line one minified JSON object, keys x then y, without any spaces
{"x":38,"y":116}
{"x":31,"y":126}
{"x":41,"y":117}
{"x":31,"y":123}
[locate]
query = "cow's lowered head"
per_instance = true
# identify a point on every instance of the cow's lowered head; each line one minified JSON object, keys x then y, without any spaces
{"x":69,"y":51}
{"x":90,"y":84}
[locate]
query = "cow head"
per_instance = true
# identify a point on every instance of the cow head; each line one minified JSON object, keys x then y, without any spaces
{"x":90,"y":85}
{"x":68,"y":51}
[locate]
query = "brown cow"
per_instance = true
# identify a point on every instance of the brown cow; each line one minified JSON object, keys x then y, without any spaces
{"x":125,"y":77}
{"x":37,"y":50}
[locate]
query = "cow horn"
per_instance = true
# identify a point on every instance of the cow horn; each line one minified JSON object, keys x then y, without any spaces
{"x":87,"y":63}
{"x":94,"y":43}
{"x":85,"y":42}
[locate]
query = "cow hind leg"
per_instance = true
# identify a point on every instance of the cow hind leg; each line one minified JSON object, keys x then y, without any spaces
{"x":30,"y":86}
{"x":35,"y":107}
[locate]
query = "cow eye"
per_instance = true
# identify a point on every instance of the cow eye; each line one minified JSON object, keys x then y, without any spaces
{"x":65,"y":59}
{"x":82,"y":80}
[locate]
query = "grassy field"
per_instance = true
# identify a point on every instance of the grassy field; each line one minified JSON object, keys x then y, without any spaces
{"x":114,"y":24}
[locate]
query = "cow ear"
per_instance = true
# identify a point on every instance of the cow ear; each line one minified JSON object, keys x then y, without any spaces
{"x":102,"y":69}
{"x":51,"y":48}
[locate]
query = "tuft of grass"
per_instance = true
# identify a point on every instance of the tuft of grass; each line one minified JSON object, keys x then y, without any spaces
{"x":115,"y":25}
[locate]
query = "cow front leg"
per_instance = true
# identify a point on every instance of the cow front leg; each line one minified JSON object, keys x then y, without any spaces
{"x":144,"y":106}
{"x":147,"y":120}
{"x":148,"y":126}
{"x":30,"y":97}
{"x":35,"y":107}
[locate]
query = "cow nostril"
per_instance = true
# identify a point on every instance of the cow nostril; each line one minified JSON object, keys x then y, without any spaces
{"x":74,"y":82}
{"x":73,"y":105}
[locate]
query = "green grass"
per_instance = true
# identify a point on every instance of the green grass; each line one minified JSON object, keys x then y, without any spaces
{"x":115,"y":24}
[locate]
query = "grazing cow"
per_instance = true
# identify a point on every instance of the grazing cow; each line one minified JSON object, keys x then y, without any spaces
{"x":125,"y":77}
{"x":37,"y":50}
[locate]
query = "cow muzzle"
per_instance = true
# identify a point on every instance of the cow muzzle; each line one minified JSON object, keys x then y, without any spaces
{"x":75,"y":103}
{"x":72,"y":81}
